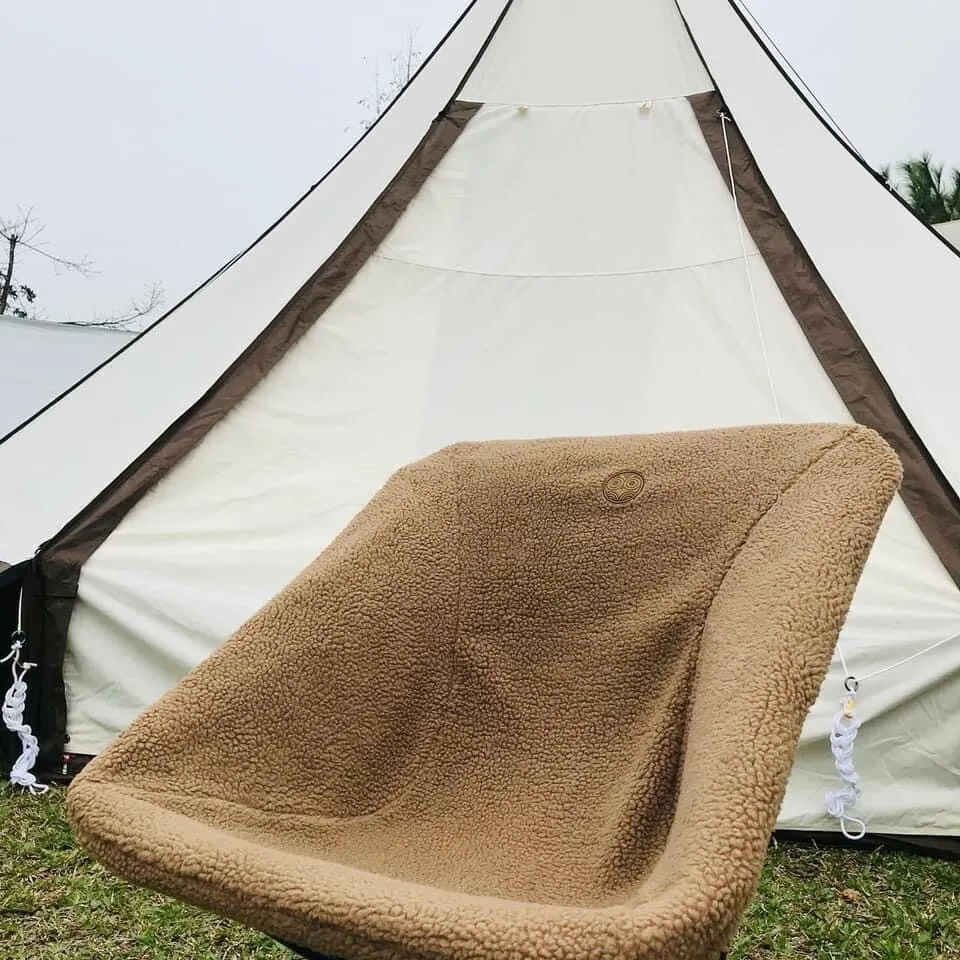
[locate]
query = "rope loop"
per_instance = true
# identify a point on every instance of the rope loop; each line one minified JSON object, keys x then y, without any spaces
{"x":14,"y":704}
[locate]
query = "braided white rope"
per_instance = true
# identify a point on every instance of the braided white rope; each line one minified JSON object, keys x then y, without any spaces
{"x":846,"y":724}
{"x":13,"y":706}
{"x":14,"y":702}
{"x":843,"y":733}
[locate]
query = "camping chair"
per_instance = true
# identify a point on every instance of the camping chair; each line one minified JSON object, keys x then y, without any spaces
{"x":539,"y":699}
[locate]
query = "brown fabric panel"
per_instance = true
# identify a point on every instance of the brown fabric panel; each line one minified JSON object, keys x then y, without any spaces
{"x":62,"y":559}
{"x":926,"y":492}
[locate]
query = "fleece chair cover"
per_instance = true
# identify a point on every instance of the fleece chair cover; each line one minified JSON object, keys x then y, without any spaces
{"x":540,"y":699}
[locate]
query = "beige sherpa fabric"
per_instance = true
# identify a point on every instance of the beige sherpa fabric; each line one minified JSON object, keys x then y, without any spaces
{"x":539,"y":700}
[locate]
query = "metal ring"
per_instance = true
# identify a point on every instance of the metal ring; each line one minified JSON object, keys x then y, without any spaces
{"x":18,"y":635}
{"x":851,"y":684}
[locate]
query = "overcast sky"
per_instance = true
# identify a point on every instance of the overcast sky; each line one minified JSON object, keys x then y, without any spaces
{"x":159,"y":139}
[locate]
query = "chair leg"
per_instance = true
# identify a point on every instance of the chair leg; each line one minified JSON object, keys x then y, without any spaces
{"x":311,"y":955}
{"x":304,"y":952}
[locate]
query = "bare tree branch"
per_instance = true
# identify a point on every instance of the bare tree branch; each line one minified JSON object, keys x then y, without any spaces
{"x":84,"y":267}
{"x":403,"y":65}
{"x":153,"y":299}
{"x":22,"y":234}
{"x":18,"y":226}
{"x":6,"y":288}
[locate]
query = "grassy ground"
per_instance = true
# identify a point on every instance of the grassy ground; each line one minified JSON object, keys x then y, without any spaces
{"x":54,"y":902}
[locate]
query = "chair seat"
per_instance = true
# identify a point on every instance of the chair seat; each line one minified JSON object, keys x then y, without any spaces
{"x":540,"y":699}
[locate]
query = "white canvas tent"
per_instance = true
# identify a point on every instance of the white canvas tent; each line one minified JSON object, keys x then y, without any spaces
{"x":950,"y":230}
{"x":40,"y":360}
{"x":538,"y":238}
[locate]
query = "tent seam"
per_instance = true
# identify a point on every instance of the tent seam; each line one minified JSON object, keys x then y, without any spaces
{"x":562,"y":276}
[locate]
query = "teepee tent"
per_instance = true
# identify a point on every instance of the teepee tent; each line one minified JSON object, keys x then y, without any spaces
{"x":39,"y":360}
{"x":579,"y":218}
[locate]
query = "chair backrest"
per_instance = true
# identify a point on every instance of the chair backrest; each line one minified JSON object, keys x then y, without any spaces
{"x":584,"y":569}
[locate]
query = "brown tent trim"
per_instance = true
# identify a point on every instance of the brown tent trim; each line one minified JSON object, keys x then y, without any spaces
{"x":846,"y":360}
{"x":918,"y":845}
{"x":60,"y":560}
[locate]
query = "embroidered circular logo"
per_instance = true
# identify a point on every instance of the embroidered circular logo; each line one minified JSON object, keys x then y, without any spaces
{"x":623,"y":487}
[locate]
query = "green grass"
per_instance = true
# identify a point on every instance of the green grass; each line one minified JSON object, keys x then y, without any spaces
{"x":813,"y":904}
